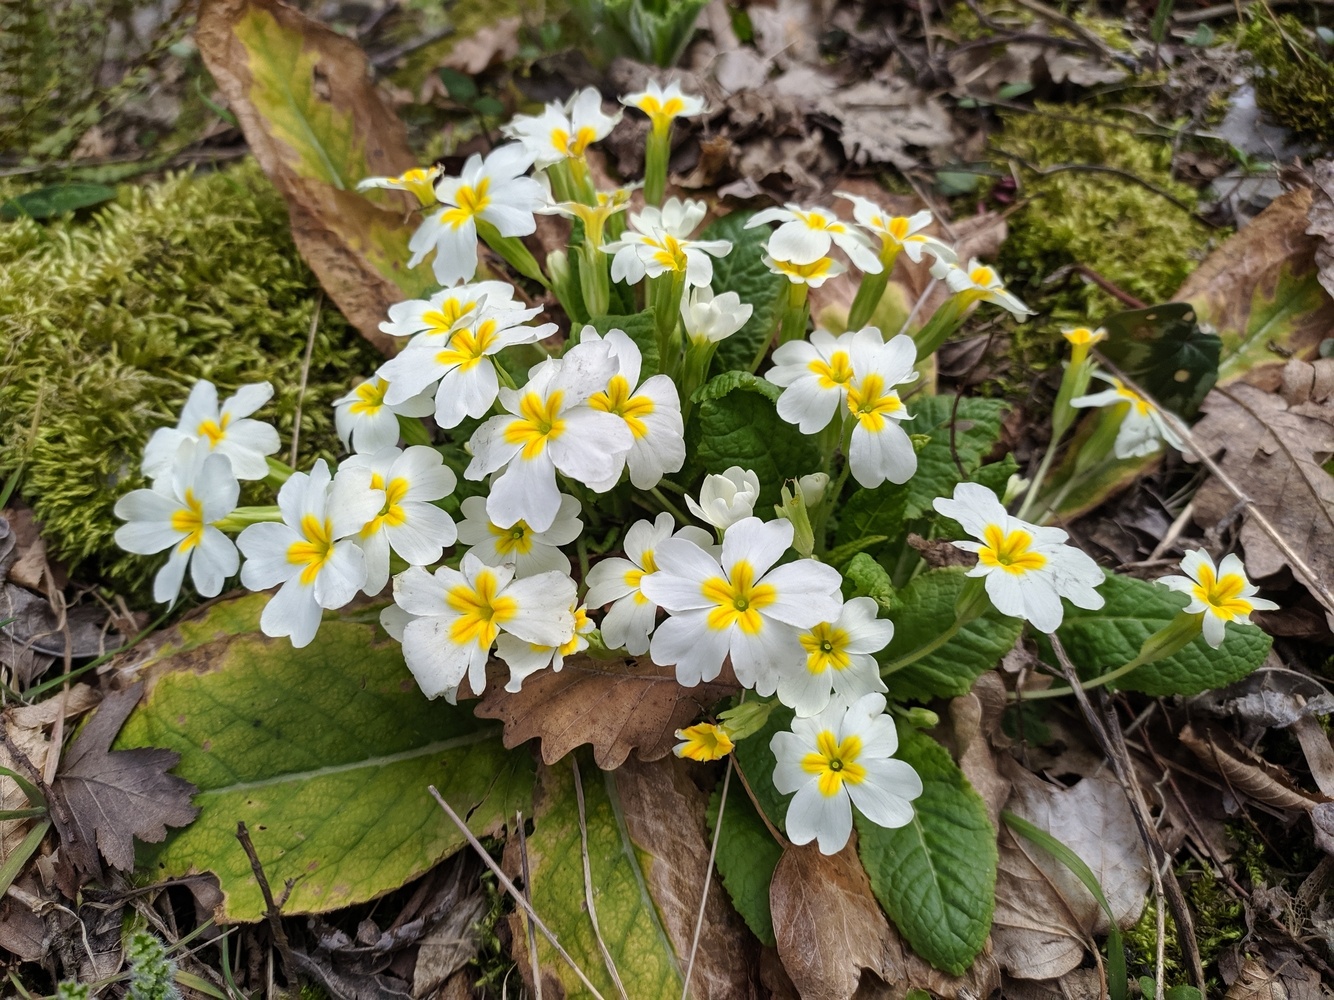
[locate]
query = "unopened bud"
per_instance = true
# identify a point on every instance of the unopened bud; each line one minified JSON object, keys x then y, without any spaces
{"x":747,"y":718}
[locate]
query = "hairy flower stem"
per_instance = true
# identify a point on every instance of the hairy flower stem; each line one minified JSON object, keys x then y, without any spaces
{"x":243,"y":516}
{"x":796,"y":315}
{"x":656,"y":154}
{"x":872,"y":289}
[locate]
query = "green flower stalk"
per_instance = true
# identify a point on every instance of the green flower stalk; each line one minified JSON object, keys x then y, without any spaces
{"x":594,"y":265}
{"x":971,"y":284}
{"x":897,"y":233}
{"x":513,"y":251}
{"x":662,"y":105}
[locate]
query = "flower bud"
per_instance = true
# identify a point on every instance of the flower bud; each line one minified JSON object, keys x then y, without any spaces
{"x":747,"y":718}
{"x":727,"y":498}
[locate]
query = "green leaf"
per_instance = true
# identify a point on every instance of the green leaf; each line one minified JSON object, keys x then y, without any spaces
{"x":923,"y":610}
{"x":742,"y":427}
{"x":55,"y":199}
{"x":743,"y":271}
{"x":325,"y":752}
{"x":756,"y":761}
{"x":720,"y":385}
{"x":881,"y":511}
{"x":1098,"y":641}
{"x":640,"y":328}
{"x":935,"y":877}
{"x":626,"y":913}
{"x":1163,"y":350}
{"x":462,"y":88}
{"x":977,"y":428}
{"x":869,"y":579}
{"x":995,"y":476}
{"x":747,"y":856}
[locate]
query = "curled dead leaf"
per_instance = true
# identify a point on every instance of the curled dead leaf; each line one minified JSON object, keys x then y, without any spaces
{"x":1320,"y":220}
{"x":1245,"y":773}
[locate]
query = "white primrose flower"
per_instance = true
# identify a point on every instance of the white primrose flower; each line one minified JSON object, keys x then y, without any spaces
{"x":526,"y":658}
{"x":1220,"y":593}
{"x":815,"y":376}
{"x":429,"y":322}
{"x":419,"y":181}
{"x":632,"y":616}
{"x":409,"y":523}
{"x":1027,"y":569}
{"x":727,"y":498}
{"x":178,"y":513}
{"x":709,"y":318}
{"x":814,"y":274}
{"x":880,"y":449}
{"x":806,"y":235}
{"x":657,"y":242}
{"x":366,"y":423}
{"x":529,"y":552}
{"x":738,"y":604}
{"x":651,"y":411}
{"x":226,"y":430}
{"x":463,"y":365}
{"x":838,"y":659}
{"x":313,"y":552}
{"x":898,"y":231}
{"x":842,"y":757}
{"x":662,"y":104}
{"x":1143,"y":428}
{"x":978,"y":283}
{"x":549,"y":427}
{"x":493,"y":190}
{"x":457,"y":614}
{"x":562,"y":131}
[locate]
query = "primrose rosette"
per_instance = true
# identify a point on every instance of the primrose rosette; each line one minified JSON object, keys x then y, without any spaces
{"x":524,"y":495}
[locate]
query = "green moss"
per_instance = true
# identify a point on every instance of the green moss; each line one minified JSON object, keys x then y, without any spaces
{"x":1135,"y":238}
{"x":1293,"y":74}
{"x":106,"y":322}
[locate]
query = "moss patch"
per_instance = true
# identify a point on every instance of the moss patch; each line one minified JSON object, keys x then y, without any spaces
{"x":106,"y":322}
{"x":1293,"y":74}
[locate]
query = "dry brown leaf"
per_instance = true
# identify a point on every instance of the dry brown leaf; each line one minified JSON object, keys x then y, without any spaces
{"x":497,"y":42}
{"x":304,"y":97}
{"x":1275,"y":452}
{"x":1245,"y":772}
{"x":1320,"y":221}
{"x":103,"y":799}
{"x":616,"y":705}
{"x":1045,"y":918}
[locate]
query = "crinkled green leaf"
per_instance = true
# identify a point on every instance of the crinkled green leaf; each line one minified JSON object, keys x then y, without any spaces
{"x":640,"y":328}
{"x":53,"y":200}
{"x":977,"y":428}
{"x":935,"y":877}
{"x":746,"y":858}
{"x":720,"y":385}
{"x":1101,"y":640}
{"x":924,"y":609}
{"x":867,"y":578}
{"x":743,"y":271}
{"x":1164,"y":351}
{"x":881,"y":511}
{"x":325,"y":752}
{"x":995,"y":476}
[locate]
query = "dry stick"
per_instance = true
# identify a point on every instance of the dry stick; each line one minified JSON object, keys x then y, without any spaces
{"x":270,"y":907}
{"x":708,"y":878}
{"x":1110,"y":741}
{"x":1298,"y":564}
{"x":527,"y":891}
{"x":1173,"y":531}
{"x":305,"y":375}
{"x":513,"y":890}
{"x":588,"y":883}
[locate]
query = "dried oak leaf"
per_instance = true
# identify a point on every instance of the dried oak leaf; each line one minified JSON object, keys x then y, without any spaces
{"x":104,"y":798}
{"x":1320,"y":221}
{"x":1275,"y":451}
{"x":616,"y":705}
{"x":305,"y":99}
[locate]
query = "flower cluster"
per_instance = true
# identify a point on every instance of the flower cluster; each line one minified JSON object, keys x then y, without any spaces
{"x":558,"y":440}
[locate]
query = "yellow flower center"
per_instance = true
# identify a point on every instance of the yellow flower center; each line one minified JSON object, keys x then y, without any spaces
{"x":1083,"y":336}
{"x":572,"y":145}
{"x":392,"y":513}
{"x":661,"y":113}
{"x":421,"y":182}
{"x":982,"y":276}
{"x":580,"y":624}
{"x":617,"y":399}
{"x":835,"y":372}
{"x":669,"y":252}
{"x":370,"y":396}
{"x":190,"y":521}
{"x":471,"y":201}
{"x":468,"y":346}
{"x":825,"y":648}
{"x":513,"y":540}
{"x":538,"y":424}
{"x":315,"y":551}
{"x":1222,"y":596}
{"x":738,"y":600}
{"x":821,"y":222}
{"x":1009,"y":550}
{"x":214,"y":430}
{"x":815,"y":269}
{"x":634,"y":576}
{"x":704,"y":742}
{"x":1141,"y":405}
{"x":441,"y":321}
{"x":481,"y":610}
{"x":871,"y":403}
{"x":898,"y":228}
{"x":835,"y":762}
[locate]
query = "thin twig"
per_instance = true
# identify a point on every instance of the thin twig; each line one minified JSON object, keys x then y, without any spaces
{"x":750,"y":794}
{"x":588,"y":884}
{"x":270,"y":907}
{"x":1173,"y":531}
{"x":305,"y":375}
{"x":528,"y":893}
{"x":510,"y":887}
{"x":1088,"y":37}
{"x":708,"y":877}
